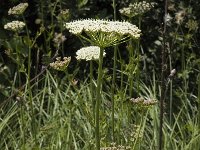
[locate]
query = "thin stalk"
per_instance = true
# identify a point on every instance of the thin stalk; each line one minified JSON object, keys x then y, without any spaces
{"x":33,"y":127}
{"x":18,"y":38}
{"x":138,"y":59}
{"x":198,"y":78}
{"x":162,"y":80}
{"x":170,"y":100}
{"x":22,"y":112}
{"x":98,"y":99}
{"x":113,"y":81}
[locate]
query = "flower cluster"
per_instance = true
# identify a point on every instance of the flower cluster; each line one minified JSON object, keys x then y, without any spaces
{"x":59,"y":64}
{"x":58,"y":38}
{"x":142,"y":102}
{"x":14,"y":25}
{"x":89,"y":53}
{"x":19,"y":9}
{"x":103,"y":33}
{"x":116,"y":147}
{"x":91,"y":25}
{"x":137,"y":8}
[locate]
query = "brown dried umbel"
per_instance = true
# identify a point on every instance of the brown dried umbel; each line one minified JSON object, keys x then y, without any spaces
{"x":140,"y":101}
{"x":116,"y":147}
{"x":59,"y":64}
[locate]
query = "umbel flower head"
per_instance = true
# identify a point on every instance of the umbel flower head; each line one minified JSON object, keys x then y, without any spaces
{"x":14,"y":25}
{"x":18,"y":10}
{"x":103,"y":33}
{"x":137,"y":8}
{"x":89,"y":53}
{"x":59,"y":64}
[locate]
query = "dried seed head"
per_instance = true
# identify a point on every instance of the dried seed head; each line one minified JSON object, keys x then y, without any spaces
{"x":59,"y":64}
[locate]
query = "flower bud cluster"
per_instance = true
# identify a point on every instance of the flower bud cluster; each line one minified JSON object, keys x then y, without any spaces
{"x":18,"y":10}
{"x":59,"y":64}
{"x":137,"y":8}
{"x":105,"y":26}
{"x":89,"y":53}
{"x":14,"y":25}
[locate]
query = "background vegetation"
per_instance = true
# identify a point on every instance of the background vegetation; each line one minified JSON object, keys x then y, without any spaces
{"x":55,"y":110}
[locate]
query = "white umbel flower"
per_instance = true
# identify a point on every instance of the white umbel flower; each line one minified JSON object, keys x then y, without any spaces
{"x":89,"y":53}
{"x":103,"y":33}
{"x":14,"y":25}
{"x":92,"y":25}
{"x":19,"y":9}
{"x":137,"y":8}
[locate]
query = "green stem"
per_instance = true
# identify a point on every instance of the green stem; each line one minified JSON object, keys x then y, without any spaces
{"x":91,"y":88}
{"x":137,"y":56}
{"x":29,"y":85}
{"x":18,"y":38}
{"x":113,"y":81}
{"x":98,"y":100}
{"x":112,"y":92}
{"x":198,"y":78}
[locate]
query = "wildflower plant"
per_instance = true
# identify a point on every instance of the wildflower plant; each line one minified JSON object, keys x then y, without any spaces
{"x":102,"y":33}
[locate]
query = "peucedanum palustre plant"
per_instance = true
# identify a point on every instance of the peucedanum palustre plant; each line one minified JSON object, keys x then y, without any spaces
{"x":102,"y":33}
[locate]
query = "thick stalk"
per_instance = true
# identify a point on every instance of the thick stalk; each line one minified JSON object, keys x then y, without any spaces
{"x":91,"y":88}
{"x":98,"y":100}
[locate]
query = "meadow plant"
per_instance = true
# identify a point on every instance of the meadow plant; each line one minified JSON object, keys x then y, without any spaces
{"x":103,"y":33}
